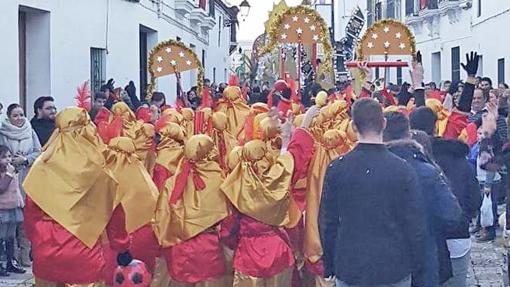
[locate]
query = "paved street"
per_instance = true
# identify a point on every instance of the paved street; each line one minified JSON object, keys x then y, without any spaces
{"x":488,"y":268}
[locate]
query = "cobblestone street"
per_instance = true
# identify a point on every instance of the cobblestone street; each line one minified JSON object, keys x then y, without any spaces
{"x":488,"y":268}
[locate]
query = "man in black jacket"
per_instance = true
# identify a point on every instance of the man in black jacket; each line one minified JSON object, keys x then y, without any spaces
{"x":442,"y":208}
{"x":372,"y":219}
{"x":43,"y":122}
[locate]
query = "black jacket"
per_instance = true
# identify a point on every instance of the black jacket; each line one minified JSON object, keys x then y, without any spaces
{"x":451,"y":155}
{"x":372,"y":219}
{"x":442,"y":209}
{"x":43,"y":128}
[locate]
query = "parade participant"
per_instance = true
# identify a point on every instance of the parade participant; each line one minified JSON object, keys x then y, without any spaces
{"x":261,"y":192}
{"x":170,"y":150}
{"x":326,"y":150}
{"x":223,"y":140}
{"x":188,"y":121}
{"x":72,"y":211}
{"x":234,"y":107}
{"x":141,"y":133}
{"x":137,"y":194}
{"x":352,"y":224}
{"x":189,"y":209}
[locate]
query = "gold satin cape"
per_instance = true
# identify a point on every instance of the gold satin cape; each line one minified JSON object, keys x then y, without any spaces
{"x":170,"y":149}
{"x":70,"y":181}
{"x":325,"y":151}
{"x":235,"y":108}
{"x":258,"y":191}
{"x":196,"y":209}
{"x":136,"y":192}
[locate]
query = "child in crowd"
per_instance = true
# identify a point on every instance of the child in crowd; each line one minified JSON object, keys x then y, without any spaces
{"x":11,"y":214}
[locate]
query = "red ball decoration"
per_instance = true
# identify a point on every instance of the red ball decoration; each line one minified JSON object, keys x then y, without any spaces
{"x":133,"y":275}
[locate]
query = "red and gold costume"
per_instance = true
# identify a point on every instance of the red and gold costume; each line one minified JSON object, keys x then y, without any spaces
{"x":224,"y":141}
{"x":66,"y":217}
{"x":189,"y":208}
{"x":327,"y":149}
{"x":138,"y":195}
{"x":261,"y":193}
{"x":170,"y":150}
{"x":235,"y":108}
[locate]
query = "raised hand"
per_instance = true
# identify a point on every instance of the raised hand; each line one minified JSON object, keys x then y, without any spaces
{"x":417,"y":71}
{"x":471,"y":66}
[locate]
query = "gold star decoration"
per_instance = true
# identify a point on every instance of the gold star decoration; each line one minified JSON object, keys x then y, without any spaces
{"x":386,"y":37}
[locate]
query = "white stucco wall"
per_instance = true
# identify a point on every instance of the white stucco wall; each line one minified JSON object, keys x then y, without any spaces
{"x":465,"y":29}
{"x":76,"y":26}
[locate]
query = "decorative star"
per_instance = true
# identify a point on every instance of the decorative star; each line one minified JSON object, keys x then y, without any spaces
{"x":375,"y":36}
{"x":284,"y":36}
{"x":159,"y":69}
{"x":387,"y":44}
{"x":370,"y":45}
{"x":312,"y":28}
{"x":173,"y":63}
{"x":307,"y":20}
{"x":299,"y":31}
{"x":168,"y":50}
{"x":398,"y":35}
{"x":402,"y":46}
{"x":386,"y":29}
{"x":188,"y":62}
{"x":160,"y":59}
{"x":181,"y":54}
{"x":295,"y":18}
{"x":316,"y":38}
{"x":286,"y":26}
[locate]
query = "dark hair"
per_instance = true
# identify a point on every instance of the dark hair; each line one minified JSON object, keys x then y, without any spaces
{"x":367,"y":116}
{"x":454,"y":87}
{"x":397,"y":126}
{"x":158,"y":96}
{"x":4,"y":150}
{"x":423,"y":119}
{"x":39,"y":103}
{"x":11,"y":107}
{"x":286,"y":93}
{"x":504,"y":85}
{"x":487,"y":79}
{"x":100,"y":95}
{"x":1,"y":106}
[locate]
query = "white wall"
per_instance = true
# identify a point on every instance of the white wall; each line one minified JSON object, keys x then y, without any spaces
{"x":76,"y":26}
{"x":464,"y":29}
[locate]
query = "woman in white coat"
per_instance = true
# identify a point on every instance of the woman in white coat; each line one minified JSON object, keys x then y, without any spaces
{"x":17,"y":134}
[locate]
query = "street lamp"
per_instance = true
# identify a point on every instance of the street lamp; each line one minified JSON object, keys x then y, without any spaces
{"x":244,"y":8}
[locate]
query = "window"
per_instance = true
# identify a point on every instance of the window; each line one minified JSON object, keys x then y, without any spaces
{"x":436,"y":67}
{"x":204,"y":57}
{"x":501,"y":70}
{"x":378,"y":11}
{"x":455,"y":64}
{"x":399,"y":74}
{"x":220,"y":26}
{"x":409,"y":7}
{"x":202,"y":4}
{"x":479,"y":11}
{"x":370,"y":12}
{"x":377,"y":73}
{"x":390,"y":9}
{"x":97,"y":68}
{"x":432,"y":4}
{"x":214,"y":75}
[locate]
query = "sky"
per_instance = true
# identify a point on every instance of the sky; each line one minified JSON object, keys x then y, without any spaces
{"x":254,"y":23}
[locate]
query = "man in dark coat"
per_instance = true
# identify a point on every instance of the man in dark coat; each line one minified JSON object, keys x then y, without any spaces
{"x":442,"y":208}
{"x":372,"y":223}
{"x":43,"y":121}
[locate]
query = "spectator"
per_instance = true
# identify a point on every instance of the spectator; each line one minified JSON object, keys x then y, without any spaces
{"x":131,"y":91}
{"x":11,"y":213}
{"x":43,"y":121}
{"x":17,"y":134}
{"x":354,"y":224}
{"x":503,"y":96}
{"x":486,"y":85}
{"x":424,"y":119}
{"x":442,"y":208}
{"x":99,"y":102}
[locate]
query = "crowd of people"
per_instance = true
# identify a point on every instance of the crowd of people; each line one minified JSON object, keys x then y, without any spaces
{"x":257,"y":186}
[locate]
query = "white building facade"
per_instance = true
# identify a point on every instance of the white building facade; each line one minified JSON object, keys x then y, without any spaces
{"x":50,"y":47}
{"x":446,"y":33}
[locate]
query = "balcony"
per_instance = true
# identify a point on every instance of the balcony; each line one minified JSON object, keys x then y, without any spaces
{"x":450,"y":8}
{"x":184,"y":7}
{"x":208,"y":23}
